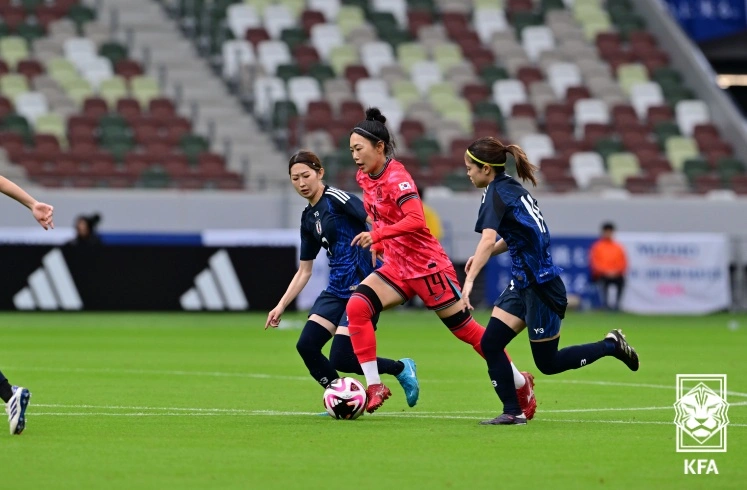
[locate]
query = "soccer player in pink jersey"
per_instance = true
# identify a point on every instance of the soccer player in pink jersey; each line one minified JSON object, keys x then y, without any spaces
{"x":416,"y":264}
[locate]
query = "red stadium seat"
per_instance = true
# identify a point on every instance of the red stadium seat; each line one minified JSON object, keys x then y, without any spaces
{"x":529,"y":75}
{"x":129,"y":109}
{"x":641,"y":184}
{"x":161,"y":107}
{"x":310,"y":18}
{"x":418,"y":19}
{"x":707,"y":183}
{"x":128,"y":68}
{"x":30,"y":69}
{"x":95,"y":107}
{"x":256,"y":35}
{"x":305,"y":56}
{"x":411,"y":130}
{"x":483,"y":128}
{"x":738,"y":184}
{"x":355,"y":72}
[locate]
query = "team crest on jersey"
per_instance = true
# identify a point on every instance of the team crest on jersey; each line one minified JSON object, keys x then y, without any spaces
{"x":318,"y":226}
{"x":379,"y":194}
{"x":403,"y":186}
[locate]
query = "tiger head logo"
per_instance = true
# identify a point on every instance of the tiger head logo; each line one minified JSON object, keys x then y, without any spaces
{"x":701,"y":413}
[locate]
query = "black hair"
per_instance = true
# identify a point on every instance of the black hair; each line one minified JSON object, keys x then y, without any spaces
{"x":373,"y":128}
{"x":92,"y":220}
{"x":307,"y":158}
{"x":608,"y":226}
{"x":489,"y":150}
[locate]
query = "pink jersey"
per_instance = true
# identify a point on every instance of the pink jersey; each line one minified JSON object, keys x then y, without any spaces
{"x":414,"y":254}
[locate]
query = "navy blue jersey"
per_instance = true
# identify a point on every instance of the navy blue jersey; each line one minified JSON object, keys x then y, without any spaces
{"x":510,"y":210}
{"x":333,"y":223}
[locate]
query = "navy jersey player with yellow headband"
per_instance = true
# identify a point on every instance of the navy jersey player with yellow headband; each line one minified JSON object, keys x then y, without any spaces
{"x":331,"y":220}
{"x":536,"y":296}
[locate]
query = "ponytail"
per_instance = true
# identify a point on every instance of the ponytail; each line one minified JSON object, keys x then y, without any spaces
{"x":524,"y":169}
{"x":489,"y":151}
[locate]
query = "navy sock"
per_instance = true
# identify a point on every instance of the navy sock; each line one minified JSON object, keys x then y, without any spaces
{"x":6,"y":391}
{"x":343,"y":358}
{"x":550,"y":360}
{"x":494,"y":341}
{"x":313,"y":337}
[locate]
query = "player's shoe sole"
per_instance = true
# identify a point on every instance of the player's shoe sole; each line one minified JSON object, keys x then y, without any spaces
{"x":506,"y":419}
{"x":16,"y":410}
{"x":408,"y":379}
{"x":377,"y":394}
{"x":527,"y":400}
{"x":623,"y":351}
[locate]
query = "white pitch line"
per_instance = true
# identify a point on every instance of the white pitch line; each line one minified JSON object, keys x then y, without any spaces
{"x":414,"y":413}
{"x":286,"y":414}
{"x":220,"y":374}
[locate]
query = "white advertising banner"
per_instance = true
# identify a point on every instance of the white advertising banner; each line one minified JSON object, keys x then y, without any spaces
{"x":676,"y":273}
{"x":274,"y":237}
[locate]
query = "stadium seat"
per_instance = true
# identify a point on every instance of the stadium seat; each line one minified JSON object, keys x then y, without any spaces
{"x":689,"y":114}
{"x":585,"y":166}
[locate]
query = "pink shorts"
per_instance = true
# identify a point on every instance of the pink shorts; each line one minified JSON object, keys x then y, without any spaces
{"x":438,"y":290}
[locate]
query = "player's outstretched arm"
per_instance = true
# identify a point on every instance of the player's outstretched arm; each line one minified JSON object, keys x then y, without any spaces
{"x":477,"y":262}
{"x":299,"y":281}
{"x":43,"y":213}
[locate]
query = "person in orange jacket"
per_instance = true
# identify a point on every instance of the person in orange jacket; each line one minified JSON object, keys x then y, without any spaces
{"x":608,"y":265}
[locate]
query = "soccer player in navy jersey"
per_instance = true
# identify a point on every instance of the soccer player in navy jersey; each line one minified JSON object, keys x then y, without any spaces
{"x":331,"y":220}
{"x":17,"y":398}
{"x":536,"y":296}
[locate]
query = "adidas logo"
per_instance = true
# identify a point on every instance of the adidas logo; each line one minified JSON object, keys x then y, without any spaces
{"x":51,"y":287}
{"x":216,"y":288}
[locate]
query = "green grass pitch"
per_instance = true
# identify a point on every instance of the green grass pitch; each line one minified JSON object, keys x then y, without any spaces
{"x":156,"y":401}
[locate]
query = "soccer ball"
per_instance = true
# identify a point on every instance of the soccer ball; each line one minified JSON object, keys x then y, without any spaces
{"x":345,"y":398}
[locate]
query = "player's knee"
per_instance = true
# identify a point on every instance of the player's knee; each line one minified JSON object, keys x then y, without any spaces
{"x":305,"y":347}
{"x":312,"y":339}
{"x":544,"y":359}
{"x":457,"y":320}
{"x":339,"y":350}
{"x":342,"y":356}
{"x":495,"y":338}
{"x":363,"y":305}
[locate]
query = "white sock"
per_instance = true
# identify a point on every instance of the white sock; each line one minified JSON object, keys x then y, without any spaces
{"x":371,"y":370}
{"x":519,"y":380}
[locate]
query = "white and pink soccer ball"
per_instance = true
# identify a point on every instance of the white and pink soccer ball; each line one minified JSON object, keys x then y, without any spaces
{"x":345,"y":398}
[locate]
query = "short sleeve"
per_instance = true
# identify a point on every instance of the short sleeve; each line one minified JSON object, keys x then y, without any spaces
{"x":491,"y":211}
{"x":402,"y":188}
{"x":309,"y":246}
{"x":350,"y":205}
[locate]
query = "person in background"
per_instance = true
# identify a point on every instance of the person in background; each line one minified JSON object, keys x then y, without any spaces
{"x":85,"y":231}
{"x":608,"y":266}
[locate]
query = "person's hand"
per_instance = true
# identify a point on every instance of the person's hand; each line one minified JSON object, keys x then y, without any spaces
{"x":363,"y":239}
{"x":273,"y":318}
{"x":469,"y":264}
{"x":466,"y":291}
{"x":44,"y":214}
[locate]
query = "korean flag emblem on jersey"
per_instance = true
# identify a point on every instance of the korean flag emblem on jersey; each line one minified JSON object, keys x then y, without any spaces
{"x":318,"y":225}
{"x":404,"y":186}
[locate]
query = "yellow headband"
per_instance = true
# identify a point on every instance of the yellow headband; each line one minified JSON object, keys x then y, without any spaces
{"x":485,"y":163}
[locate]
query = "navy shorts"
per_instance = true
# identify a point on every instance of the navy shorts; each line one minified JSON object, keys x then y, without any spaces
{"x":541,"y":306}
{"x":332,"y":308}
